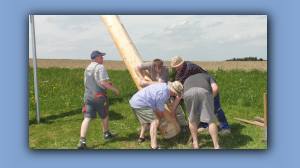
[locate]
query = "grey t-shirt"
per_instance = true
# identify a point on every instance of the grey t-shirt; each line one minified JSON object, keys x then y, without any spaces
{"x":201,"y":80}
{"x":164,"y":75}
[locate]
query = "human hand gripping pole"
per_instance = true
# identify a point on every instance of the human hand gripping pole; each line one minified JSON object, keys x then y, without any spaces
{"x":164,"y":123}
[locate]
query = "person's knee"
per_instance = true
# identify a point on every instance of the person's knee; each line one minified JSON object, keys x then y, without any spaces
{"x":87,"y":119}
{"x":155,"y":123}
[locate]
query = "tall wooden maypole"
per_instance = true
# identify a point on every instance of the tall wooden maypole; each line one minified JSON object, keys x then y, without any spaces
{"x":131,"y":57}
{"x":129,"y":53}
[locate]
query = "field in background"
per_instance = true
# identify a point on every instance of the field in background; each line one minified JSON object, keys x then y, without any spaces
{"x":120,"y":65}
{"x":61,"y":94}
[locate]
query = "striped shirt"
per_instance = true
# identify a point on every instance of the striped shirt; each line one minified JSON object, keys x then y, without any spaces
{"x":187,"y":70}
{"x":100,"y":73}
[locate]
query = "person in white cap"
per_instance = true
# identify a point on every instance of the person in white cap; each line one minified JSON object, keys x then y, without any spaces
{"x":160,"y":74}
{"x":150,"y":101}
{"x":95,"y":99}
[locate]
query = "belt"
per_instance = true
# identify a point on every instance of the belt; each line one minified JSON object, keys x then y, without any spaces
{"x":99,"y":95}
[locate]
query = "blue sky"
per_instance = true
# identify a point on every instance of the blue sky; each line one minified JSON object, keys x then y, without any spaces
{"x":193,"y":37}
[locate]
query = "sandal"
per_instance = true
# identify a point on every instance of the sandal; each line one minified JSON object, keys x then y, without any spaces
{"x":141,"y":140}
{"x":155,"y":148}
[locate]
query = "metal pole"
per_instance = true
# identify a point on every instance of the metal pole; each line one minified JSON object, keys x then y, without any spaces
{"x":36,"y":89}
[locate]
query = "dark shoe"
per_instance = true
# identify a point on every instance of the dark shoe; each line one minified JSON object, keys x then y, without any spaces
{"x":184,"y":128}
{"x":141,"y":140}
{"x":108,"y":135}
{"x":82,"y":144}
{"x":155,"y":148}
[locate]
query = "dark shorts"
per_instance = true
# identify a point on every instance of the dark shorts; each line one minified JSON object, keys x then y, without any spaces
{"x":199,"y":100}
{"x":93,"y":104}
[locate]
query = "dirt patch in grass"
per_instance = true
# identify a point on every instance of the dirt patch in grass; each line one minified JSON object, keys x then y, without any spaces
{"x":120,"y":65}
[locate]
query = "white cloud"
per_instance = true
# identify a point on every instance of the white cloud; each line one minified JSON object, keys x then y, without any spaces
{"x":198,"y":38}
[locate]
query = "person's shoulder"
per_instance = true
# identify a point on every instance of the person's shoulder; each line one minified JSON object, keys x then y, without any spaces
{"x":146,"y":65}
{"x":91,"y":66}
{"x":101,"y":66}
{"x":165,"y":67}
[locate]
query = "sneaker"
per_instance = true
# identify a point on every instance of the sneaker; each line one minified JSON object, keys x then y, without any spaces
{"x":224,"y":132}
{"x":108,"y":135}
{"x":82,"y":144}
{"x":203,"y":129}
{"x":184,"y":128}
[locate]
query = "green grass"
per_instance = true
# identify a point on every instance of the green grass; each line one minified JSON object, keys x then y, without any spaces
{"x":61,"y":98}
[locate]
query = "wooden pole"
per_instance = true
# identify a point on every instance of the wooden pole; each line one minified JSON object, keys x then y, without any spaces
{"x":259,"y":119}
{"x":131,"y":57}
{"x":129,"y":53}
{"x":265,"y":119}
{"x":265,"y":110}
{"x":250,"y":122}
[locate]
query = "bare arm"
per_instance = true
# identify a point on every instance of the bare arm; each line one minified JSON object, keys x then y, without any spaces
{"x":143,"y":82}
{"x":160,"y":113}
{"x":108,"y":85}
{"x":138,"y":71}
{"x":215,"y":89}
{"x":175,"y":104}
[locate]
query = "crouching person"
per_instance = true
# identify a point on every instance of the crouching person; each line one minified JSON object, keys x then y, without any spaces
{"x":199,"y":93}
{"x":95,"y":99}
{"x":150,"y":101}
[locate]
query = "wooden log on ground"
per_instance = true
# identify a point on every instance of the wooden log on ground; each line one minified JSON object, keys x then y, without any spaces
{"x":259,"y":119}
{"x":250,"y":122}
{"x":264,"y":140}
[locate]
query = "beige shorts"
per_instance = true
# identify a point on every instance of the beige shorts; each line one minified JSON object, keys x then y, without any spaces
{"x":144,"y":114}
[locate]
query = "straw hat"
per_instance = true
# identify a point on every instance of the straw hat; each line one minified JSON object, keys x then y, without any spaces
{"x":176,"y":61}
{"x":176,"y":87}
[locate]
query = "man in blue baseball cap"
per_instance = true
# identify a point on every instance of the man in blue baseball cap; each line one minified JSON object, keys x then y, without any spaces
{"x":96,"y":53}
{"x":95,"y":99}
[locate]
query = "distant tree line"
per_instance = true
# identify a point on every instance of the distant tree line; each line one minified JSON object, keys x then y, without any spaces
{"x":246,"y":59}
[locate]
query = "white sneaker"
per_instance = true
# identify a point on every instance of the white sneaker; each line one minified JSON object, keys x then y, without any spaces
{"x":203,"y":129}
{"x":224,"y":132}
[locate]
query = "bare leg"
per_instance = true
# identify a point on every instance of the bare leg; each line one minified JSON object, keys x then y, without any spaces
{"x":84,"y":127}
{"x":153,"y":133}
{"x":194,"y":129}
{"x":143,"y":130}
{"x":213,"y":131}
{"x":105,"y":124}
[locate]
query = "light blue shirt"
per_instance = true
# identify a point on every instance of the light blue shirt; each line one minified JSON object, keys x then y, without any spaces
{"x":154,"y":96}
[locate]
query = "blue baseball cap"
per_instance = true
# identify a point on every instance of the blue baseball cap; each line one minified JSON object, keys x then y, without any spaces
{"x":96,"y":53}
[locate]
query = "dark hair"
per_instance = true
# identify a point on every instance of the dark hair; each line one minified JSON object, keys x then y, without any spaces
{"x":157,"y":63}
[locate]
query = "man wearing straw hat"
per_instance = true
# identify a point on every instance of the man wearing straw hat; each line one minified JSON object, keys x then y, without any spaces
{"x":150,"y":101}
{"x":186,"y":69}
{"x":95,"y":99}
{"x":160,"y":74}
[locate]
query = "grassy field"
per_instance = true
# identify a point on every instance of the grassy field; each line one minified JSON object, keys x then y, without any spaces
{"x":61,"y":98}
